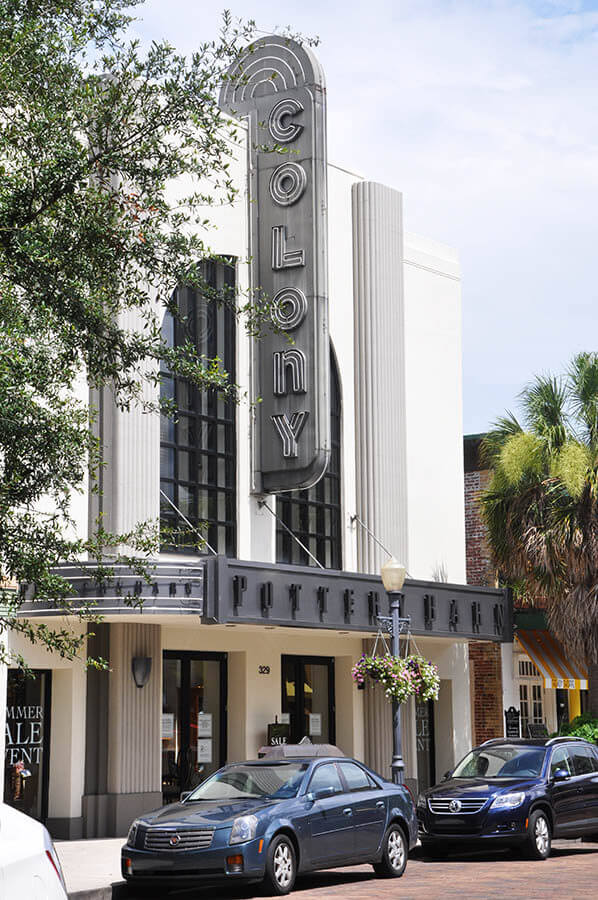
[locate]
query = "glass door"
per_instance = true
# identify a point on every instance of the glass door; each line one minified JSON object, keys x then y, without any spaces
{"x":424,"y":736}
{"x":193,"y":719}
{"x":26,"y":757}
{"x":308,"y":698}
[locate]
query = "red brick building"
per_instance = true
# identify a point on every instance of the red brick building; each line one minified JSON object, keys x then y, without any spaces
{"x":484,"y":658}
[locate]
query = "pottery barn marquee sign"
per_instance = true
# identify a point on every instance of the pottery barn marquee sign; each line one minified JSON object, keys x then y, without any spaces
{"x":278,"y":86}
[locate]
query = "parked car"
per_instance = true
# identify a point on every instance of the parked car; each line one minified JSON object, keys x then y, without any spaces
{"x":266,"y":820}
{"x":29,"y":865}
{"x":514,"y":792}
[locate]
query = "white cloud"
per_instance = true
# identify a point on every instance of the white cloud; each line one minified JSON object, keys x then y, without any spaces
{"x":484,"y":114}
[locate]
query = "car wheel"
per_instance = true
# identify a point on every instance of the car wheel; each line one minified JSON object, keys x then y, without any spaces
{"x":281,"y":867}
{"x":539,"y":835}
{"x":395,"y":851}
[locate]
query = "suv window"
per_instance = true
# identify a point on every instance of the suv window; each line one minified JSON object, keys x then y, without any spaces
{"x":560,"y":760}
{"x":584,"y":761}
{"x":326,"y":776}
{"x":357,"y":779}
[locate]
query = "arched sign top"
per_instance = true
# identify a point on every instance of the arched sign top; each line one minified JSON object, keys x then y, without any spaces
{"x":267,"y":67}
{"x":278,"y":86}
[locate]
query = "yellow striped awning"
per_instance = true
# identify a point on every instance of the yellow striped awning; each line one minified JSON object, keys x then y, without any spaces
{"x":549,"y":657}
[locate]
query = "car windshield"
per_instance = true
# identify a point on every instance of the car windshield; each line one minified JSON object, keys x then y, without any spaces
{"x":501,"y":761}
{"x":276,"y":781}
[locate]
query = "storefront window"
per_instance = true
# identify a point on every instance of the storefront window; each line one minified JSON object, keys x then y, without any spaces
{"x":308,"y":698}
{"x":193,"y":720}
{"x":424,"y":736}
{"x":531,"y":704}
{"x":27,"y":749}
{"x":314,"y":515}
{"x":197,"y":445}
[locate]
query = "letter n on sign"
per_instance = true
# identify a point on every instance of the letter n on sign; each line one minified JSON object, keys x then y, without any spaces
{"x":278,"y":86}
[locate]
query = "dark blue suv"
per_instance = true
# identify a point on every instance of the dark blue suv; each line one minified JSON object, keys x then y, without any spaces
{"x":514,"y":792}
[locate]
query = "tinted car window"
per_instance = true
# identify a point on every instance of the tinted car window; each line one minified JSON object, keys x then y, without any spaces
{"x":356,"y":778}
{"x":326,"y":776}
{"x":584,"y":762}
{"x":280,"y":780}
{"x":501,"y":761}
{"x":560,"y":760}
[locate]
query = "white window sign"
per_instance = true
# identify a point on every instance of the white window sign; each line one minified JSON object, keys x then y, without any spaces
{"x":204,"y":751}
{"x":285,"y":719}
{"x":167,"y":726}
{"x":315,"y":724}
{"x":204,"y":724}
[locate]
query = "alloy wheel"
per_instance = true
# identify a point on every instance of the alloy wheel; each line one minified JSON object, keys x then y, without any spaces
{"x":396,"y":849}
{"x":283,"y":865}
{"x":541,"y":835}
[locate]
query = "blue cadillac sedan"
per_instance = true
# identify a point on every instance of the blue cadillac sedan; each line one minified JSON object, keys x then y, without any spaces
{"x":265,"y":820}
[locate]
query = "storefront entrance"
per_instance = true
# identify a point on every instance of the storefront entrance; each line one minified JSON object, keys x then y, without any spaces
{"x":26,"y":760}
{"x":193,"y":719}
{"x":308,"y":698}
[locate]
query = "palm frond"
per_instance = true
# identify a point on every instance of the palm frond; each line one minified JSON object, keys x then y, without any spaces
{"x":544,"y":404}
{"x":494,"y":440}
{"x":582,"y":378}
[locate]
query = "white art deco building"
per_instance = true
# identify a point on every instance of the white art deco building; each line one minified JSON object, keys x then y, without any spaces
{"x":362,"y":409}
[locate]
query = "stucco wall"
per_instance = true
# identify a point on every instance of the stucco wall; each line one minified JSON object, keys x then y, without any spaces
{"x":434,"y":410}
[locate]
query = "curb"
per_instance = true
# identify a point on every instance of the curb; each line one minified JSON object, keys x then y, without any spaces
{"x":116,"y":891}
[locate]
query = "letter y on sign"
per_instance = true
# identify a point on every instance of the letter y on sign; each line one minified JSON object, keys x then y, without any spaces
{"x":289,"y":431}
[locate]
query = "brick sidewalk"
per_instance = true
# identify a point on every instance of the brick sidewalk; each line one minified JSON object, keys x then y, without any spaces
{"x":571,"y":872}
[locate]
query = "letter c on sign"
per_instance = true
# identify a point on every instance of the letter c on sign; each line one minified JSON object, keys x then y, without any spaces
{"x":282,"y":131}
{"x":287,"y":184}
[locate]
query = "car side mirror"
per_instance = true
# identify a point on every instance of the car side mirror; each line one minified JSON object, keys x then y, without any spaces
{"x":183,"y":796}
{"x":447,"y":775}
{"x":320,"y":794}
{"x":560,"y":775}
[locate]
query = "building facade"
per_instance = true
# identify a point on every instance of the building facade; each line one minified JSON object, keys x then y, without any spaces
{"x":294,"y":497}
{"x":533,"y":674}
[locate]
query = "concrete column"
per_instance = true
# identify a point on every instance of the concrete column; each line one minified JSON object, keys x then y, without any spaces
{"x":510,"y":688}
{"x":380,"y":416}
{"x":67,"y":752}
{"x":134,"y":760}
{"x":349,"y":710}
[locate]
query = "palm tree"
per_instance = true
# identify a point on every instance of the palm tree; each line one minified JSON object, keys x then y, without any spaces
{"x":541,"y":506}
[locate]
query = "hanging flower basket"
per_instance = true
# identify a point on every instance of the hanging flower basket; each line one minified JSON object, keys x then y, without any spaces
{"x":401,"y":678}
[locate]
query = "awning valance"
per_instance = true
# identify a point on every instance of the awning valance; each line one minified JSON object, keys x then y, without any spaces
{"x":549,"y":657}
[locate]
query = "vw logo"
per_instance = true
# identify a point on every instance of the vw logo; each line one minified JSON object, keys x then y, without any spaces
{"x":455,"y":806}
{"x":176,"y":838}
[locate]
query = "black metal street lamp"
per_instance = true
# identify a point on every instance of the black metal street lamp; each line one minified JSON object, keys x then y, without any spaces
{"x":393,"y":578}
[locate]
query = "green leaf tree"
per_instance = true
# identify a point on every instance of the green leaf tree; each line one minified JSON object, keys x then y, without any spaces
{"x":541,"y":506}
{"x":94,"y":134}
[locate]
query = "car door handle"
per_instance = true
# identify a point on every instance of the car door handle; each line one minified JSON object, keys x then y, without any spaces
{"x":347,"y":811}
{"x":380,"y":804}
{"x":580,"y":790}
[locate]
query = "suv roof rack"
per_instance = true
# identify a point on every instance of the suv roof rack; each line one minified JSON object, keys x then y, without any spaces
{"x":565,"y":737}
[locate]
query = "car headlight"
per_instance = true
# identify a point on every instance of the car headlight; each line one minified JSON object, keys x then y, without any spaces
{"x":132,"y":833}
{"x":508,"y":801}
{"x":244,"y":829}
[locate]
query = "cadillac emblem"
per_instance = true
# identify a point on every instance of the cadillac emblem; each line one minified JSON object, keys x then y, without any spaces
{"x":174,"y":840}
{"x":454,"y":806}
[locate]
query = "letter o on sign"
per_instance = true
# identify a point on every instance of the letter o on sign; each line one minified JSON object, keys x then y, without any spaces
{"x":289,"y":308}
{"x":281,"y":130}
{"x":287,"y":184}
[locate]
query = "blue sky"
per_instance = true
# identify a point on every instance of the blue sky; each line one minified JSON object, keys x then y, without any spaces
{"x":484,"y":114}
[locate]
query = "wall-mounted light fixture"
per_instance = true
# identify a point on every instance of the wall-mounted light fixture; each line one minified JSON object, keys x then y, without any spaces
{"x":141,"y":667}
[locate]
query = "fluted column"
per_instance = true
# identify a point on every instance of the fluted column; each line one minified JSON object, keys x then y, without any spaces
{"x":381,"y":463}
